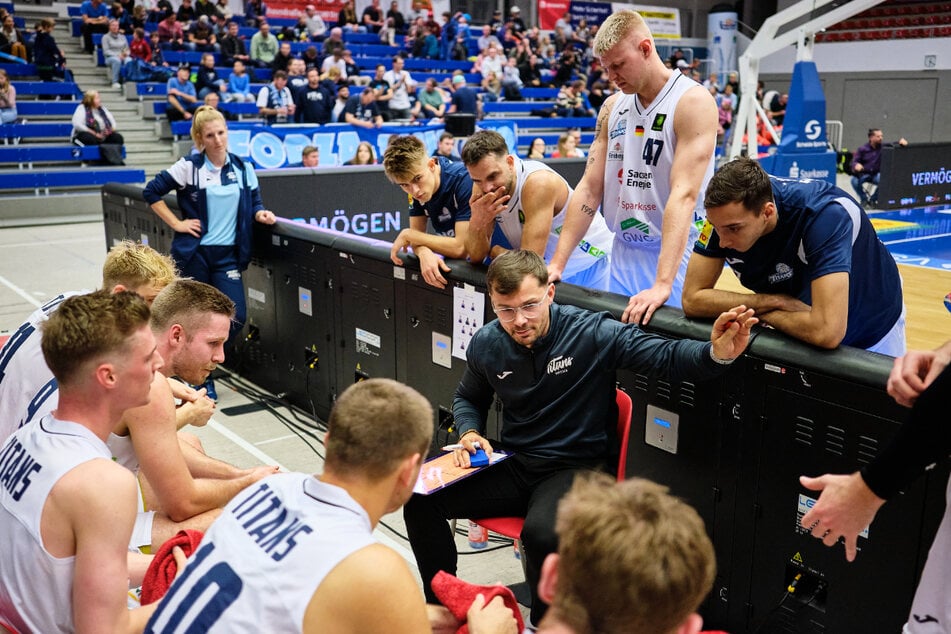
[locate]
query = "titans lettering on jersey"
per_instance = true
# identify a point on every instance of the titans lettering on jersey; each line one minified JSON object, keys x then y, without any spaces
{"x":267,"y":523}
{"x":16,"y":467}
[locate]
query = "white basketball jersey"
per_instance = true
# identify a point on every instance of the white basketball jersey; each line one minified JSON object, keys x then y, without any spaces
{"x":28,"y":390}
{"x":35,"y":587}
{"x":597,"y":241}
{"x":641,"y":144}
{"x":261,"y":561}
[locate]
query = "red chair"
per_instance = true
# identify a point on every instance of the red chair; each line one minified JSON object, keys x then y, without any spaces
{"x":511,"y":527}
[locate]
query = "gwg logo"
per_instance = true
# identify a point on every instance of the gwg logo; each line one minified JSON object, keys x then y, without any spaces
{"x":813,"y":129}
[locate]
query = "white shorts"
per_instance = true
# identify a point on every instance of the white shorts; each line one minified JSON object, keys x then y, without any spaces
{"x":142,"y":529}
{"x":893,"y":343}
{"x":634,"y":268}
{"x":596,"y":276}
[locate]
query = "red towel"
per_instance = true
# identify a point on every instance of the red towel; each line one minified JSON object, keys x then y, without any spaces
{"x":162,"y":570}
{"x":458,"y":595}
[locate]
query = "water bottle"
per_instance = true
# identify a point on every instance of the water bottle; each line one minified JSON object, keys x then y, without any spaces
{"x":478,"y":536}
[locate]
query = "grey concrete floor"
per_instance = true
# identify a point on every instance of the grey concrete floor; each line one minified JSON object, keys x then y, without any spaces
{"x":37,"y":263}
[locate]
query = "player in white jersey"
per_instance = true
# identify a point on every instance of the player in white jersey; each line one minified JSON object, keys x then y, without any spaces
{"x":66,"y":510}
{"x":527,"y":202}
{"x":295,"y":553}
{"x":650,"y":160}
{"x":28,"y":391}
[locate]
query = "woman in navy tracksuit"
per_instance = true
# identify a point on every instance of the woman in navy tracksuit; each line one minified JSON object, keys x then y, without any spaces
{"x":219,"y":199}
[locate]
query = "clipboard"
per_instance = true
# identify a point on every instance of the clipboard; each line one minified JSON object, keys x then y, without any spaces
{"x":439,"y":472}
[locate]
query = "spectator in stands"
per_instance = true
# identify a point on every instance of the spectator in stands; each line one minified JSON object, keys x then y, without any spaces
{"x":315,"y":99}
{"x":311,"y":58}
{"x":239,"y":84}
{"x":361,"y":111}
{"x":536,"y":150}
{"x":333,"y":75}
{"x":430,"y":101}
{"x":352,"y":70}
{"x":777,"y":108}
{"x":486,"y":39}
{"x":570,"y":101}
{"x":160,"y":9}
{"x":155,"y":44}
{"x":182,"y":97}
{"x":115,"y":51}
{"x":334,"y":42}
{"x":459,"y":48}
{"x":866,"y":166}
{"x":284,"y":56}
{"x":296,"y":74}
{"x":275,"y":101}
{"x":48,"y":57}
{"x":343,"y":95}
{"x":733,"y":79}
{"x":567,"y":67}
{"x":186,"y":13}
{"x":95,"y":17}
{"x":170,"y":32}
{"x":8,"y":99}
{"x":201,"y":37}
{"x":382,"y":89}
{"x":232,"y":47}
{"x":264,"y":46}
{"x":677,"y":56}
{"x":401,"y":86}
{"x":388,"y":33}
{"x":207,"y":8}
{"x":12,"y":41}
{"x":491,"y":86}
{"x":309,"y":157}
{"x":93,"y":124}
{"x":576,"y":133}
{"x":123,"y":17}
{"x":372,"y":17}
{"x":255,"y":12}
{"x":496,"y":23}
{"x":653,"y":548}
{"x":445,"y":148}
{"x":441,"y":191}
{"x":316,"y":27}
{"x":728,"y":95}
{"x":347,"y":19}
{"x":399,"y":20}
{"x":213,"y":100}
{"x":567,"y":147}
{"x":515,"y":23}
{"x":429,"y":47}
{"x":139,"y":47}
{"x":465,"y":100}
{"x":531,"y":72}
{"x":724,"y":118}
{"x":490,"y":61}
{"x":365,"y":155}
{"x":598,"y":95}
{"x":207,"y":79}
{"x":335,"y":60}
{"x":219,"y":200}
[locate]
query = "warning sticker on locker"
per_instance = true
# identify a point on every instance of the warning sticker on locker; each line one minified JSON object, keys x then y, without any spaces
{"x":368,"y":343}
